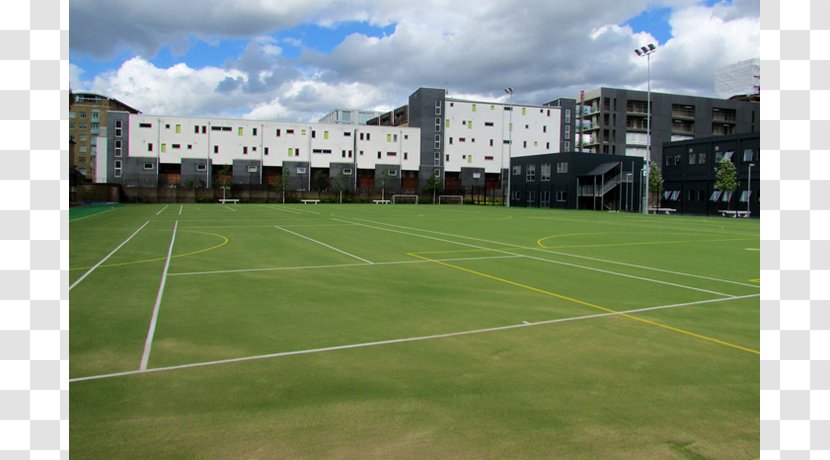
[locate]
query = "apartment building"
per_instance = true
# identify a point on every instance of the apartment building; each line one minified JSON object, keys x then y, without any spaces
{"x":148,"y":150}
{"x":88,"y":114}
{"x":614,"y":121}
{"x":348,"y":117}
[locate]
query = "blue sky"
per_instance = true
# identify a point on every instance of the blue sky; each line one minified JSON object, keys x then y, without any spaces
{"x":292,"y":59}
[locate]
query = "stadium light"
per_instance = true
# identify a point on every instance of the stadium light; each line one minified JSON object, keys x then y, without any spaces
{"x":509,"y":91}
{"x":647,"y":51}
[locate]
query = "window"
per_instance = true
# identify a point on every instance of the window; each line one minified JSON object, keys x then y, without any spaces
{"x":531,"y":197}
{"x":474,"y":107}
{"x":189,"y":146}
{"x":204,"y":129}
{"x":252,"y":168}
{"x":488,"y":123}
{"x":266,"y":151}
{"x":392,"y":172}
{"x":524,"y":110}
{"x":167,"y":126}
{"x":405,"y":155}
{"x":462,"y":139}
{"x":82,"y":149}
{"x":289,"y":131}
{"x":669,"y":160}
{"x":488,"y":158}
{"x":368,"y":136}
{"x":388,"y":138}
{"x":391,"y":154}
{"x":150,"y":147}
{"x":278,"y":132}
{"x":715,"y":195}
{"x":567,"y":115}
{"x":215,"y":149}
{"x":438,"y":107}
{"x":117,"y":168}
{"x":379,"y":155}
{"x":195,"y":130}
{"x":491,"y":142}
{"x":562,"y":167}
{"x":437,"y":124}
{"x":300,"y":170}
{"x":239,"y":131}
{"x":450,"y":140}
{"x":361,"y":136}
{"x":561,"y":196}
{"x":531,"y":173}
{"x":118,"y":148}
{"x":244,"y":150}
{"x":701,"y":158}
{"x":692,"y":159}
{"x":140,"y":125}
{"x":119,"y":125}
{"x":524,"y":144}
{"x":347,"y":171}
{"x":148,"y":166}
{"x":517,"y":170}
{"x":178,"y":129}
{"x":82,"y":114}
{"x":545,"y":173}
{"x":176,"y":146}
{"x":567,"y":146}
{"x":749,"y":155}
{"x":253,"y":131}
{"x":325,"y":135}
{"x":201,"y":167}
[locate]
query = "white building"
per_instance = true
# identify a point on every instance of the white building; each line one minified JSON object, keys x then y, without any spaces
{"x":739,"y":79}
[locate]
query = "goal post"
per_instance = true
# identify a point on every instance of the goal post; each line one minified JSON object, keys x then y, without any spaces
{"x":407,"y":199}
{"x":450,"y":199}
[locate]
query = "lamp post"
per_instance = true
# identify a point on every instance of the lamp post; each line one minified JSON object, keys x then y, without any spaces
{"x":647,"y":51}
{"x":749,"y":188}
{"x":509,"y":92}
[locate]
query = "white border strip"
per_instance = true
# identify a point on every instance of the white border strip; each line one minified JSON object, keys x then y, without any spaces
{"x":181,"y":208}
{"x":93,"y":215}
{"x":107,"y":256}
{"x":162,"y":209}
{"x":404,"y":340}
{"x":326,"y":245}
{"x":145,"y":358}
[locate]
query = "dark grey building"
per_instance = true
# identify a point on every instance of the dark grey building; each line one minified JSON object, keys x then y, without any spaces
{"x":574,"y":180}
{"x":426,"y":111}
{"x":689,"y":174}
{"x":614,"y":121}
{"x":567,"y":123}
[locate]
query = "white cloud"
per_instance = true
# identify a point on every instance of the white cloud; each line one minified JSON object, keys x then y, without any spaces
{"x":543,"y":49}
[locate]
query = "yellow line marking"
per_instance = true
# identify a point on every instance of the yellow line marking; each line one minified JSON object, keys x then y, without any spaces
{"x":144,"y":261}
{"x":755,"y":280}
{"x":587,"y":304}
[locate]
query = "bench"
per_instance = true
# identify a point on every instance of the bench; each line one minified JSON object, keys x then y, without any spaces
{"x":725,"y":213}
{"x":662,"y":210}
{"x":229,"y":200}
{"x":381,"y":201}
{"x":311,"y":201}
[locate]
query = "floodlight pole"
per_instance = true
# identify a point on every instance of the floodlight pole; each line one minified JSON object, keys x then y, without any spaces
{"x":647,"y":52}
{"x":509,"y":92}
{"x":749,"y":188}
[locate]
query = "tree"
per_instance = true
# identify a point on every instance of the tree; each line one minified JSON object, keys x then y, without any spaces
{"x":340,"y":184}
{"x":433,"y":185}
{"x":281,"y":183}
{"x":726,"y":178}
{"x":655,"y":182}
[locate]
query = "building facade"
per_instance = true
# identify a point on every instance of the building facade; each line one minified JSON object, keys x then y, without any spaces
{"x":348,"y":117}
{"x":614,"y":121}
{"x":88,"y":119}
{"x":147,"y":150}
{"x":689,"y":174}
{"x":572,"y":180}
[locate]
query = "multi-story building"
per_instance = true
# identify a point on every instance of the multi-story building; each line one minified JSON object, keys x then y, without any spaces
{"x":88,"y":114}
{"x":147,"y":150}
{"x":689,"y":174}
{"x":469,"y":143}
{"x":348,"y":117}
{"x":741,"y":80}
{"x":572,"y":180}
{"x":614,"y":121}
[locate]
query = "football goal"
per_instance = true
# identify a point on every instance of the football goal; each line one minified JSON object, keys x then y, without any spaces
{"x":404,"y":199}
{"x":450,"y":199}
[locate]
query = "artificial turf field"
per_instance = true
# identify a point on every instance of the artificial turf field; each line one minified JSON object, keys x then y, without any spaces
{"x":411,"y":331}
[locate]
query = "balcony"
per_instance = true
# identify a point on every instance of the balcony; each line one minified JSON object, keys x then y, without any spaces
{"x":683,"y":111}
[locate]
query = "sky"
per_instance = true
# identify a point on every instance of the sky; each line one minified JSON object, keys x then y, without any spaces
{"x":296,"y":60}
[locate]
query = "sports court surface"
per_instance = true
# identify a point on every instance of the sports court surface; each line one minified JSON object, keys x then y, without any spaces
{"x":264,"y":330}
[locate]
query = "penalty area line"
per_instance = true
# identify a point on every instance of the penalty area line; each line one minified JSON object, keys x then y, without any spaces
{"x":405,"y":340}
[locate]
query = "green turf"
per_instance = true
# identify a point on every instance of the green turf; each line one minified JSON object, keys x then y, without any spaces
{"x":246,"y":281}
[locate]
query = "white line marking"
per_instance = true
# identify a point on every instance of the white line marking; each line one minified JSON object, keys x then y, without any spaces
{"x":145,"y":358}
{"x":573,"y":255}
{"x":181,"y":207}
{"x":324,"y":244}
{"x":404,"y":340}
{"x":315,"y":267}
{"x":107,"y":256}
{"x":92,"y":215}
{"x":285,"y":208}
{"x":162,"y":209}
{"x":567,"y":264}
{"x":228,"y":207}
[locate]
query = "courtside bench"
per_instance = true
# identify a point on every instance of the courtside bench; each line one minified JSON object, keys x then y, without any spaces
{"x":662,"y":210}
{"x":725,"y":213}
{"x":311,"y":201}
{"x":381,"y":201}
{"x":229,"y":200}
